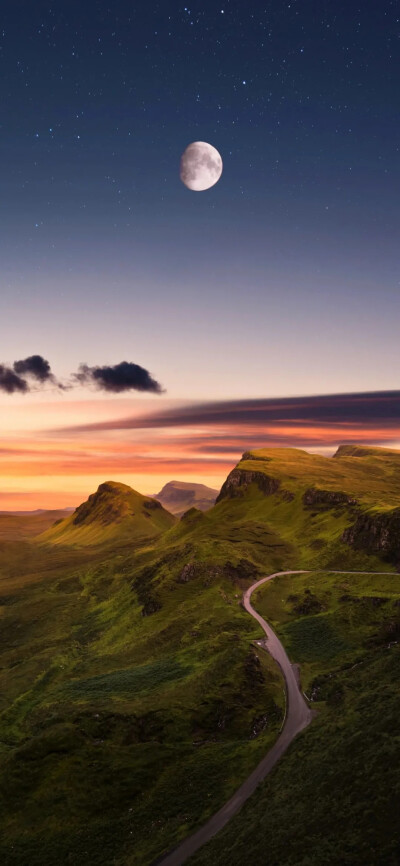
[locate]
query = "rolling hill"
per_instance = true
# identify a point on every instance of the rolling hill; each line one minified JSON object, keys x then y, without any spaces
{"x":19,"y":525}
{"x":115,"y":513}
{"x":134,"y":699}
{"x":179,"y":496}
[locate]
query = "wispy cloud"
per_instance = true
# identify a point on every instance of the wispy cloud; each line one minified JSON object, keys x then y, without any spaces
{"x":296,"y":415}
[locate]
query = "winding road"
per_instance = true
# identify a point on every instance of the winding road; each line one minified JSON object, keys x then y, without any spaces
{"x":298,"y":716}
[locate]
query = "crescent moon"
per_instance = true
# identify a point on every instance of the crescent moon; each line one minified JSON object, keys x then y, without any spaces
{"x":201,"y":166}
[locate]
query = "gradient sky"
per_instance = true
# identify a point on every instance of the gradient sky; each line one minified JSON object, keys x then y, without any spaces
{"x":282,"y":280}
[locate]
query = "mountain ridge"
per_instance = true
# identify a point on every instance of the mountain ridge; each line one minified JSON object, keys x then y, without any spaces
{"x":114,"y":511}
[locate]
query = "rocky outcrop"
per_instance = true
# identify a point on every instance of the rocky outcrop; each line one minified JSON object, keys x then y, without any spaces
{"x":376,"y":533}
{"x":239,"y":480}
{"x":313,"y":497}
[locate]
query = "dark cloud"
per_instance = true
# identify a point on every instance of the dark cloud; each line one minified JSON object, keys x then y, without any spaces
{"x":10,"y":382}
{"x":35,"y":372}
{"x":361,"y":409}
{"x":38,"y":368}
{"x":121,"y":377}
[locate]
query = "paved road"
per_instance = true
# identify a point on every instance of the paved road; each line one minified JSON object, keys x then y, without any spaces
{"x":298,"y":716}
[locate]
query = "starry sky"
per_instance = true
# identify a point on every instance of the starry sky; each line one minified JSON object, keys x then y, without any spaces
{"x":281,"y":281}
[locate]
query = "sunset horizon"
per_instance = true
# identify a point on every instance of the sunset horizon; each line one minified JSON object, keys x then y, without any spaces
{"x":146,"y":443}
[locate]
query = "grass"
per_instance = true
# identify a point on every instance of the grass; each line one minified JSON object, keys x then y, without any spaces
{"x":314,"y":639}
{"x":333,"y":797}
{"x":143,"y":678}
{"x":349,"y":610}
{"x":120,"y":732}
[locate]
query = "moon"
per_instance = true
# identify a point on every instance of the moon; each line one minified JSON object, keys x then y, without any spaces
{"x":201,"y":166}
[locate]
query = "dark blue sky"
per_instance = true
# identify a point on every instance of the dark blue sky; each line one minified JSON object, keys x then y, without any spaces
{"x":284,"y":277}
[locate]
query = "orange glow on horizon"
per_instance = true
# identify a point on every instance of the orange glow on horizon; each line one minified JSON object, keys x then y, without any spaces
{"x":58,"y":469}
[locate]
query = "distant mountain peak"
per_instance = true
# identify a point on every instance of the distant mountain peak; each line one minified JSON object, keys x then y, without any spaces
{"x":179,"y":496}
{"x":185,"y":485}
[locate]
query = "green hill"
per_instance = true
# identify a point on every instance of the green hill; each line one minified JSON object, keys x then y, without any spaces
{"x":335,"y":512}
{"x":133,"y":699}
{"x":114,"y":513}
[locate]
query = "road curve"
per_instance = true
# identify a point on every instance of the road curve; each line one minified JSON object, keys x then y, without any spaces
{"x":298,"y":716}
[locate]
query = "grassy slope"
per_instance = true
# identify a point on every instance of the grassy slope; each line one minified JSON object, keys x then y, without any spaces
{"x":333,"y":799}
{"x":120,"y":732}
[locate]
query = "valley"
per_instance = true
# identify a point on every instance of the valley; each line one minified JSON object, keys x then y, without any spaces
{"x":129,"y":667}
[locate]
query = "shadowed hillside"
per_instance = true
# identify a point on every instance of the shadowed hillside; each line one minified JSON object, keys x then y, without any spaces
{"x":132,"y":699}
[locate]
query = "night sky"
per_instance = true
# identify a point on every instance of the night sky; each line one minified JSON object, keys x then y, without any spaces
{"x":281,"y":280}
